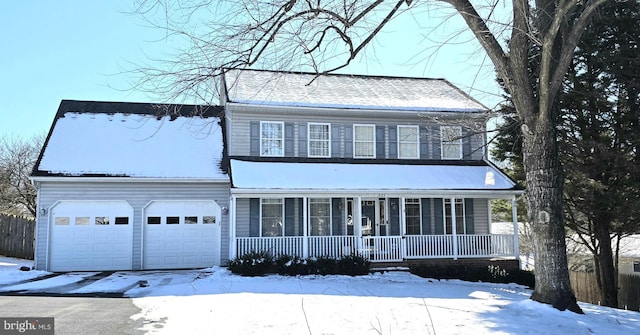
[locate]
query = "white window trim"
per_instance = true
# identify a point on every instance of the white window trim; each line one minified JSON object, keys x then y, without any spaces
{"x":373,"y":126}
{"x":309,"y":138}
{"x":419,"y":215}
{"x":262,"y":153}
{"x":281,"y":215}
{"x":458,"y":141}
{"x":445,"y":213}
{"x":417,"y":142}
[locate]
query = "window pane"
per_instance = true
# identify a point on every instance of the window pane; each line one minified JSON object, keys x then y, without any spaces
{"x":62,"y":221}
{"x":459,"y":210}
{"x":102,"y":220}
{"x":364,"y":141}
{"x":153,"y":220}
{"x":451,"y":139}
{"x":271,"y":139}
{"x":319,"y":140}
{"x":320,"y":216}
{"x":173,"y":220}
{"x":208,"y":219}
{"x":408,"y":141}
{"x":82,"y":221}
{"x":190,"y":220}
{"x":412,"y":210}
{"x":272,"y":217}
{"x":122,"y":220}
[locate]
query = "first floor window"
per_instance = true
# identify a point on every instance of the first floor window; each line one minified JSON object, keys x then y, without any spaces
{"x":459,"y":214}
{"x":364,"y":141}
{"x":636,"y":266}
{"x":451,"y":140}
{"x":271,"y":217}
{"x":320,"y":216}
{"x":271,"y":138}
{"x":412,"y":216}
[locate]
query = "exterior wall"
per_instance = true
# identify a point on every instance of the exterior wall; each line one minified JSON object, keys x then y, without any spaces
{"x":626,"y":265}
{"x":137,"y":195}
{"x":239,"y":134}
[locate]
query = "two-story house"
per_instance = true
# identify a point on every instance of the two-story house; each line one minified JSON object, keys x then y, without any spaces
{"x":391,"y":168}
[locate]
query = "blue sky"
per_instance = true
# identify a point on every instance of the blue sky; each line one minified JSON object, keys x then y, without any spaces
{"x":66,"y":49}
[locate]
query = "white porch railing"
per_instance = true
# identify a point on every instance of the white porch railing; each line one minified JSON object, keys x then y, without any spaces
{"x":383,"y":248}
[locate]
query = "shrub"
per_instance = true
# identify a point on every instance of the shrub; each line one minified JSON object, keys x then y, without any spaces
{"x":490,"y":274}
{"x":292,"y":266}
{"x":253,"y":263}
{"x":325,"y":266}
{"x":353,"y":265}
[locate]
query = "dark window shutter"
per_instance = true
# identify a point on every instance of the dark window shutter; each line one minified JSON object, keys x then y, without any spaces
{"x":393,"y":142}
{"x":466,"y":144}
{"x":254,"y":138}
{"x":348,"y":141}
{"x":337,"y":210}
{"x":424,"y":143}
{"x":468,"y":216}
{"x":300,"y":217}
{"x":425,"y":207}
{"x":394,"y":216}
{"x":435,"y":143}
{"x":302,"y":140}
{"x":380,"y":142}
{"x":335,"y":140}
{"x":288,"y":139}
{"x":438,"y":216}
{"x":254,"y":217}
{"x":289,"y":217}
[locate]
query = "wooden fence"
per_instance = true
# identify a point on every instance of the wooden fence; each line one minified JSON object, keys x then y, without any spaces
{"x":585,"y":287}
{"x":16,"y":236}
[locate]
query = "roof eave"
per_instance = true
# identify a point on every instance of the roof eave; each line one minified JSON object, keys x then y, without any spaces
{"x":79,"y":179}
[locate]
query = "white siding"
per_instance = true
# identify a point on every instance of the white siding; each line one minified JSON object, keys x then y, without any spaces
{"x":137,"y":195}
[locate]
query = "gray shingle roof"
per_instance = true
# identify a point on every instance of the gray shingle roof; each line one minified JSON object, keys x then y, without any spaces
{"x":346,"y":91}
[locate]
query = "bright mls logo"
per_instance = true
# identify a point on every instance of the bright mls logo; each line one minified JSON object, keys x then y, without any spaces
{"x":26,"y":326}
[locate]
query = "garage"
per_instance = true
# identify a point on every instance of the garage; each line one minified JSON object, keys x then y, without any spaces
{"x":181,"y":234}
{"x":91,"y":236}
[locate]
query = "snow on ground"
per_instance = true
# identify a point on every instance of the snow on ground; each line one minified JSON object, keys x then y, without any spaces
{"x":10,"y":273}
{"x":215,"y":301}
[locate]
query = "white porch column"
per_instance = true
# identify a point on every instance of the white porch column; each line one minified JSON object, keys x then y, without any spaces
{"x":357,"y":223}
{"x":232,"y":228}
{"x":403,"y":227}
{"x":305,"y":228}
{"x":453,"y":228}
{"x":516,"y":237}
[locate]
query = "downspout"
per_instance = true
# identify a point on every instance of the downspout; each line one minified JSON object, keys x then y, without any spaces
{"x":36,"y":264}
{"x":232,"y":229}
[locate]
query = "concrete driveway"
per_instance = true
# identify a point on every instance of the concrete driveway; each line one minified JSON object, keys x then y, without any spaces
{"x":77,"y":315}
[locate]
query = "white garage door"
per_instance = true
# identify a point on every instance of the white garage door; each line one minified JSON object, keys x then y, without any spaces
{"x":181,"y":234}
{"x":91,"y":235}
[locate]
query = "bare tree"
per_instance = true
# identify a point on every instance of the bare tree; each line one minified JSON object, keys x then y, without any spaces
{"x":17,"y":158}
{"x":325,"y":36}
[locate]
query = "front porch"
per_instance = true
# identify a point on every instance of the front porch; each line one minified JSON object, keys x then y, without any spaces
{"x":384,"y":248}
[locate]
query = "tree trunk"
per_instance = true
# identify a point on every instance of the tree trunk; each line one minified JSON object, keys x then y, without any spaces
{"x":607,"y":273}
{"x":544,"y":197}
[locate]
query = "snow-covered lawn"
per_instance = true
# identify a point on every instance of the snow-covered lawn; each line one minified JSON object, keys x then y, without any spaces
{"x":214,"y":301}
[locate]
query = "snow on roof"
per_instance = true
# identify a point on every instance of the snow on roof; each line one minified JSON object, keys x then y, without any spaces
{"x":133,"y":144}
{"x":343,"y":176}
{"x":346,"y":91}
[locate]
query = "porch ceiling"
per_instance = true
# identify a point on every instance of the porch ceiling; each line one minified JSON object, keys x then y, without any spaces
{"x":389,"y":178}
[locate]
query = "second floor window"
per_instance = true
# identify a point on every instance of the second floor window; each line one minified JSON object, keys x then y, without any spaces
{"x":319,"y":140}
{"x":364,"y":141}
{"x":408,"y":142}
{"x":271,"y":138}
{"x":451,"y":139}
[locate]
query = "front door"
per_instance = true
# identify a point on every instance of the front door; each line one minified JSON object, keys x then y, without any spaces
{"x":374,"y":217}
